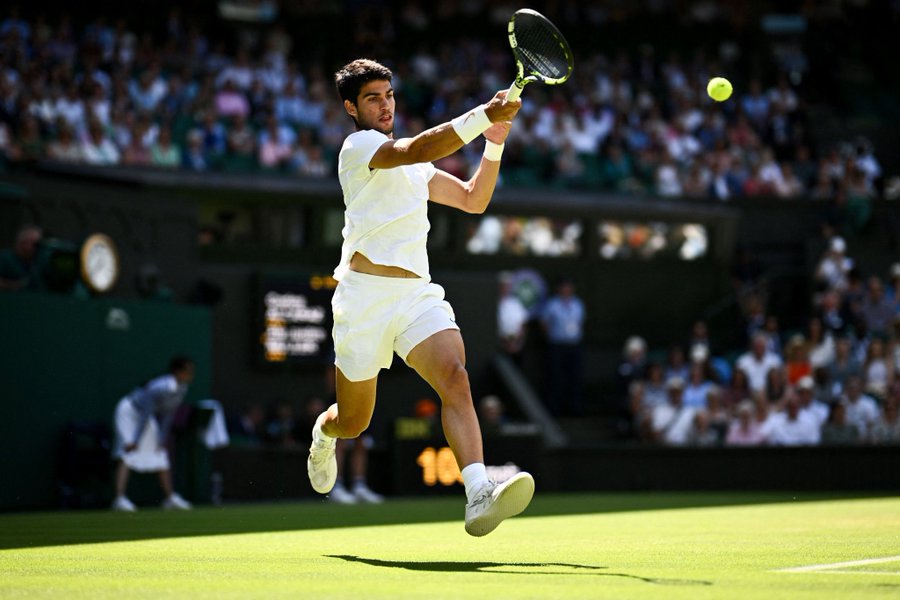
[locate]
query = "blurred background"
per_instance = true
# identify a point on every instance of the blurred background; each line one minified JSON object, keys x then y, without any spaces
{"x":737,"y":262}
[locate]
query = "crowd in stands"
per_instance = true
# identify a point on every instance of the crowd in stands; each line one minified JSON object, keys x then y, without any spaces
{"x":835,"y":382}
{"x":110,"y":94}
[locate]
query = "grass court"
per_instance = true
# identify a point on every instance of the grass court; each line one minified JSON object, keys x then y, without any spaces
{"x":666,"y":545}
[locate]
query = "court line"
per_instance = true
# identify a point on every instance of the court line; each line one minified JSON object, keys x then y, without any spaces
{"x":851,"y":563}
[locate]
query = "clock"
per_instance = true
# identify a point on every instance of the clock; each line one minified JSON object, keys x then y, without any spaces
{"x":99,"y":263}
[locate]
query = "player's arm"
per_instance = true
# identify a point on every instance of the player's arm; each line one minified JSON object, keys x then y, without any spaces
{"x":474,"y":195}
{"x":445,"y":139}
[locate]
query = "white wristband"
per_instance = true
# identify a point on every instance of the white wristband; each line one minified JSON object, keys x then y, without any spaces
{"x":493,"y":151}
{"x":470,"y":125}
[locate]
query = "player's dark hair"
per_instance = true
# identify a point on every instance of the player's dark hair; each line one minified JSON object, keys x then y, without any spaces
{"x":179,"y":364}
{"x":352,"y":76}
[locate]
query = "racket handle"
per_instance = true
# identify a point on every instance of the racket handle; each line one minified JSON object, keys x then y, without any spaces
{"x":514,"y":92}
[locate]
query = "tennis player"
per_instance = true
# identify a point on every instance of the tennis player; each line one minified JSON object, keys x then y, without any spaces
{"x":385,"y":301}
{"x":143,"y":420}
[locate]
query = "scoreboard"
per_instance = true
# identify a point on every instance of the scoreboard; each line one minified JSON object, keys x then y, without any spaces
{"x":294,"y":318}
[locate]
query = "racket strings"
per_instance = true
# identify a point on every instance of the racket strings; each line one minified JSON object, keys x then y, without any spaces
{"x":541,"y":50}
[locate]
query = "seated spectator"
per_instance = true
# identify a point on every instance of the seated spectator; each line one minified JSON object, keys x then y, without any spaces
{"x":791,"y":427}
{"x":844,"y":366}
{"x":671,"y":423}
{"x":98,"y":149}
{"x":834,"y":265}
{"x":165,"y":153}
{"x":490,"y":416}
{"x":877,"y":310}
{"x":757,"y":362}
{"x":698,"y":387}
{"x":702,"y":434}
{"x":65,"y":148}
{"x":878,"y":369}
{"x":282,"y":427}
{"x":809,"y":402}
{"x":275,"y":145}
{"x":248,"y":428}
{"x":797,"y":363}
{"x":837,"y":431}
{"x":21,"y":267}
{"x":862,"y":410}
{"x":194,"y":158}
{"x":744,"y":429}
{"x":887,"y":428}
{"x":231,"y":102}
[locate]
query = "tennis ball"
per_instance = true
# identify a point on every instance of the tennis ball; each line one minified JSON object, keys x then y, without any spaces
{"x":719,"y":89}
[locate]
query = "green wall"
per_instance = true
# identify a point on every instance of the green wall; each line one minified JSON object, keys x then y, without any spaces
{"x":62,"y":358}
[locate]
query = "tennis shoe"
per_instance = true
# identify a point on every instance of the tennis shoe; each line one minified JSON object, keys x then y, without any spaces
{"x":123,"y":504}
{"x":364,"y":494}
{"x":322,"y":465}
{"x":176,"y":502}
{"x":494,"y":503}
{"x":340,"y":495}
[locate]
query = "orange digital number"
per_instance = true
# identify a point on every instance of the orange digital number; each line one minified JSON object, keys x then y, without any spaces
{"x":439,"y":466}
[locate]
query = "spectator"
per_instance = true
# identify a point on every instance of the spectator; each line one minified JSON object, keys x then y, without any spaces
{"x":821,"y":344}
{"x":878,"y":369}
{"x":98,"y":149}
{"x":862,"y":410}
{"x":791,"y":427}
{"x":248,"y":428}
{"x":165,"y":153}
{"x":757,"y":362}
{"x":671,"y":423}
{"x":194,"y":158}
{"x":834,"y":266}
{"x":844,"y":365}
{"x":877,"y":310}
{"x":512,"y":317}
{"x":490,"y":416}
{"x":797,"y":363}
{"x":809,"y":402}
{"x":837,"y":431}
{"x":563,"y":322}
{"x":697,"y":388}
{"x":21,"y":267}
{"x":702,"y":434}
{"x":282,"y":426}
{"x":744,"y":430}
{"x":887,"y":429}
{"x":776,"y":386}
{"x":65,"y":148}
{"x":143,"y":421}
{"x":634,"y":362}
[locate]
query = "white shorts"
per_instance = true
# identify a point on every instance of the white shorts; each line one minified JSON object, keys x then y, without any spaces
{"x":148,"y":456}
{"x":376,"y":316}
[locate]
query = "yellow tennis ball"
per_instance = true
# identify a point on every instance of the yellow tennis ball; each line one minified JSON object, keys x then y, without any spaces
{"x":719,"y":89}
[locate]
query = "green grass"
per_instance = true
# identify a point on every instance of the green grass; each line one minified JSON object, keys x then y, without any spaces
{"x":576,"y":546}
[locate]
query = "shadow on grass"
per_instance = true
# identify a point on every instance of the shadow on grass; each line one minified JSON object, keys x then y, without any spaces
{"x":510,"y":568}
{"x":29,"y":530}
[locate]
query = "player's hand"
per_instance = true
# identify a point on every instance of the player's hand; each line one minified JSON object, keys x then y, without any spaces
{"x":499,"y":110}
{"x":497,"y":132}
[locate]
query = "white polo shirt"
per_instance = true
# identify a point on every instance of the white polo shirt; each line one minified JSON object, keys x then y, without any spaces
{"x":387,"y":209}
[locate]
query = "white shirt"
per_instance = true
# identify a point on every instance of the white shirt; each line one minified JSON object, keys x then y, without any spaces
{"x":757,"y":370}
{"x":863,"y":413}
{"x":802,"y":431}
{"x":675,"y":424}
{"x":511,"y":316}
{"x":387,"y":209}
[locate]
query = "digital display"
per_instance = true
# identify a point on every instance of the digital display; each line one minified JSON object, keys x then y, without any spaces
{"x":296,"y":318}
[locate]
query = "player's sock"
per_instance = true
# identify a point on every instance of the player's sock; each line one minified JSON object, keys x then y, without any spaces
{"x":319,"y":435}
{"x":474,"y":477}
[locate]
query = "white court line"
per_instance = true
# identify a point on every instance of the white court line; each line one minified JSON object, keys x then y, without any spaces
{"x":838,"y":565}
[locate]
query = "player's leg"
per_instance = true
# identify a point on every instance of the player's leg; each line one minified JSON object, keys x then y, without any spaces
{"x":347,"y":418}
{"x":440,"y":360}
{"x":339,"y":492}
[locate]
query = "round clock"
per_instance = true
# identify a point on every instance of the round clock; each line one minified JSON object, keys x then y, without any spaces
{"x":99,"y":263}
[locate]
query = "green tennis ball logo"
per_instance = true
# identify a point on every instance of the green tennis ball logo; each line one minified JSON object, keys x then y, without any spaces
{"x":719,"y":89}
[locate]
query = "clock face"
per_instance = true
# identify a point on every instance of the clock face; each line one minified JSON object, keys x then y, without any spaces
{"x":100,"y":263}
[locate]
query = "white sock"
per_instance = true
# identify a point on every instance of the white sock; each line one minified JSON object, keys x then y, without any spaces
{"x":319,"y":435}
{"x":474,"y":477}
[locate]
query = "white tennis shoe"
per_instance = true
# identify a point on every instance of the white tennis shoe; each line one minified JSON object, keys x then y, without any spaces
{"x":340,"y":495}
{"x":176,"y":502}
{"x":123,"y":504}
{"x":322,"y":465}
{"x":364,"y":494}
{"x":494,"y":503}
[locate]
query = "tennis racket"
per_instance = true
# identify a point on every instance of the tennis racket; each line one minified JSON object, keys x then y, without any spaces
{"x":541,"y":52}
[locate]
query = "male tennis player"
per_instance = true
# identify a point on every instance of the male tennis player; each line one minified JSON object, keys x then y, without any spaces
{"x":385,"y":301}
